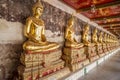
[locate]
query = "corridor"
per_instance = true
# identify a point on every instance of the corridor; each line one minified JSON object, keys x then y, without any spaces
{"x":108,"y":70}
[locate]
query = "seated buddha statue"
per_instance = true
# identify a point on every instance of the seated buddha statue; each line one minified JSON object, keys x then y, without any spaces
{"x":70,"y":40}
{"x":105,"y":37}
{"x":109,"y":38}
{"x":100,"y":39}
{"x":95,"y":37}
{"x":86,"y":35}
{"x":35,"y":32}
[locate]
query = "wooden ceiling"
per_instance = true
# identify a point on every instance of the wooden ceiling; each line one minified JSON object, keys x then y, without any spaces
{"x":105,"y":13}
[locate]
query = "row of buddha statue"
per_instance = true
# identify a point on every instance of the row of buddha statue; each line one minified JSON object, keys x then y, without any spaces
{"x":44,"y":60}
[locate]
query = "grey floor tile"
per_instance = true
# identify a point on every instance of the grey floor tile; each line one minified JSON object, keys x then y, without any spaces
{"x":108,"y":70}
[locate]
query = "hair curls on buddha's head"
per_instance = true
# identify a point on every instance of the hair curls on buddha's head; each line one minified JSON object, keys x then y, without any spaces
{"x":37,"y":5}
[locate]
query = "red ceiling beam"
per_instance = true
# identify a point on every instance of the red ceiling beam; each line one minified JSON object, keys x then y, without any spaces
{"x":107,"y":4}
{"x":105,"y":18}
{"x":114,"y":29}
{"x":111,"y":26}
{"x":114,"y":22}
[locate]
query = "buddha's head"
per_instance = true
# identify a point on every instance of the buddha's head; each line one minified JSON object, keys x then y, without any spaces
{"x":87,"y":27}
{"x":37,"y":8}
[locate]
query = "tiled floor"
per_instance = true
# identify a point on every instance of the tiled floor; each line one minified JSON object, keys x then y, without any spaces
{"x":108,"y":70}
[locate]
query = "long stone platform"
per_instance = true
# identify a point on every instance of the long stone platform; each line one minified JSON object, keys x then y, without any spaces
{"x":105,"y":68}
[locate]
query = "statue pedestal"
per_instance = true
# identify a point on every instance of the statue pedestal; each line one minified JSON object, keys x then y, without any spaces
{"x":99,"y":50}
{"x":57,"y":75}
{"x":104,"y":47}
{"x":75,"y":58}
{"x":38,"y":65}
{"x":111,"y":46}
{"x":91,"y":53}
{"x":108,"y":46}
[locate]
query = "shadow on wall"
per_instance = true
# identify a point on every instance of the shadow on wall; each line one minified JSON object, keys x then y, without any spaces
{"x":2,"y":72}
{"x":9,"y":60}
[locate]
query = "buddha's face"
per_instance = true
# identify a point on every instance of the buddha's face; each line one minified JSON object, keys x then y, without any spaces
{"x":71,"y":22}
{"x":87,"y":28}
{"x":38,"y":11}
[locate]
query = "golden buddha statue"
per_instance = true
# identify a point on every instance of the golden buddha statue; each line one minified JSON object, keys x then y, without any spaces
{"x":101,"y":37}
{"x":104,"y":37}
{"x":95,"y":37}
{"x":86,"y":35}
{"x":69,"y":35}
{"x":35,"y":32}
{"x":109,"y":38}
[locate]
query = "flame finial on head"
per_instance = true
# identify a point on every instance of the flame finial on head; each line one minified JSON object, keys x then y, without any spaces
{"x":71,"y":20}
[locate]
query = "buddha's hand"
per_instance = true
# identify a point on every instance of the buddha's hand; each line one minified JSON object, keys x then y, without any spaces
{"x":43,"y":38}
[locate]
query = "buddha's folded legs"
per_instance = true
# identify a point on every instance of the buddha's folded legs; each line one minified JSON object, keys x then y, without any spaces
{"x":73,"y":45}
{"x":35,"y":47}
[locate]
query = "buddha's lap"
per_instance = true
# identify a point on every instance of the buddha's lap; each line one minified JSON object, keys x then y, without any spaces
{"x":32,"y":45}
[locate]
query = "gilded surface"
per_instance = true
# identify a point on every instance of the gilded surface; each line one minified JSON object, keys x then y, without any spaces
{"x":95,"y":37}
{"x":100,"y":39}
{"x":35,"y":32}
{"x":86,"y":35}
{"x":69,"y":35}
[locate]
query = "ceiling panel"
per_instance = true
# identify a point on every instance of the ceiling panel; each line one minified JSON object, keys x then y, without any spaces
{"x":105,"y":13}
